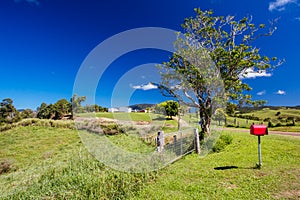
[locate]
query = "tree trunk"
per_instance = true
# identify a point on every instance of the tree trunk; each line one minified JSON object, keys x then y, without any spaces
{"x":205,"y":120}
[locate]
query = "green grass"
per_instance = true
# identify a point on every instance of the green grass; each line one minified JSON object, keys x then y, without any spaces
{"x":287,"y":129}
{"x":243,"y":123}
{"x":52,"y":163}
{"x":194,"y":178}
{"x":282,"y":118}
{"x":123,"y":116}
{"x":284,"y":112}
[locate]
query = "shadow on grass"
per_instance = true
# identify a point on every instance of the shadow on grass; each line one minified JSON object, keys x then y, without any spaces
{"x":236,"y":167}
{"x":160,"y":118}
{"x":226,"y":167}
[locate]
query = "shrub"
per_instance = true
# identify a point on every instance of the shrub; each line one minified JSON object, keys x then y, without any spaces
{"x":270,"y":124}
{"x":6,"y":166}
{"x":222,"y":142}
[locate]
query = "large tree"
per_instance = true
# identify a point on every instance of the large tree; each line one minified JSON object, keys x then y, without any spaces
{"x":63,"y":107}
{"x":212,"y":56}
{"x":46,"y":111}
{"x":55,"y":111}
{"x":76,"y":104}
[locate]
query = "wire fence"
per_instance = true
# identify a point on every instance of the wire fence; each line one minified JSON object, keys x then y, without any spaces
{"x":175,"y":145}
{"x":167,"y":148}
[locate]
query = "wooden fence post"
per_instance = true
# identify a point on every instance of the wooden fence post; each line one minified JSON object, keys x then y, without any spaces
{"x":160,"y":141}
{"x":175,"y":144}
{"x":197,"y":141}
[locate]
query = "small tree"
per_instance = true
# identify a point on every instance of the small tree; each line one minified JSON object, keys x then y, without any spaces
{"x":171,"y":108}
{"x":220,"y":115}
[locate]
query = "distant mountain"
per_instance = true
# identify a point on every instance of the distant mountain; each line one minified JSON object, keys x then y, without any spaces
{"x":141,"y":106}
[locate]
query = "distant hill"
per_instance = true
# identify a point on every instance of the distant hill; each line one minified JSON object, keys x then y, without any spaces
{"x":250,"y":109}
{"x":141,"y":106}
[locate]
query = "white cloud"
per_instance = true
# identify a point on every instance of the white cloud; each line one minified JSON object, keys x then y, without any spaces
{"x":148,"y":86}
{"x":280,"y":5}
{"x":250,"y":73}
{"x":281,"y":92}
{"x":261,"y":93}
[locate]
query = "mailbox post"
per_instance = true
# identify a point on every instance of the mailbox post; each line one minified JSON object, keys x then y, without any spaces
{"x":259,"y":130}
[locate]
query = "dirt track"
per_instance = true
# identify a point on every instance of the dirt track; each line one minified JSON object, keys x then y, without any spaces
{"x":270,"y":132}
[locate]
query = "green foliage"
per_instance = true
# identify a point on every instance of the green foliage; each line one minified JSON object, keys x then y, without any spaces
{"x":27,"y":113}
{"x":95,"y":108}
{"x":231,"y":108}
{"x":63,"y":108}
{"x":8,"y":113}
{"x":171,"y":108}
{"x":55,"y":111}
{"x":223,"y":141}
{"x":214,"y":48}
{"x":220,"y":115}
{"x":76,"y":104}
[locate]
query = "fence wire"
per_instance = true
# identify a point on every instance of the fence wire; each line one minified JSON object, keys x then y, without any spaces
{"x":177,"y":144}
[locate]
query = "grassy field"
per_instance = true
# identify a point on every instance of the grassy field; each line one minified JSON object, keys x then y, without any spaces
{"x":123,"y":116}
{"x":271,"y":113}
{"x":52,"y":163}
{"x":194,"y":178}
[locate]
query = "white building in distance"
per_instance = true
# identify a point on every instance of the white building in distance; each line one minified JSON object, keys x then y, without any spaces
{"x":120,"y":109}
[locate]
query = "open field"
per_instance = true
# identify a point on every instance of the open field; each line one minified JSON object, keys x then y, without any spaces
{"x":148,"y":117}
{"x":52,"y":163}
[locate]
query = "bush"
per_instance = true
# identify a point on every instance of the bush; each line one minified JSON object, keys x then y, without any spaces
{"x":6,"y":166}
{"x":270,"y":124}
{"x":221,"y":144}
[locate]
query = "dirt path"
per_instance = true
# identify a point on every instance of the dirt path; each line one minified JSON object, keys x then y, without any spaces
{"x":270,"y":132}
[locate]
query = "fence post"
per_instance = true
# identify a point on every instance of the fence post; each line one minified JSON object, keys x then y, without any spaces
{"x":197,"y":141}
{"x":160,"y":141}
{"x":175,"y":144}
{"x":181,"y":142}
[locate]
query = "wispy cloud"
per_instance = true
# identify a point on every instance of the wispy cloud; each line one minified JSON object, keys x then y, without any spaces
{"x":298,"y":19}
{"x":148,"y":86}
{"x":281,"y":92}
{"x":261,"y":93}
{"x":280,"y":5}
{"x":36,"y":2}
{"x":250,"y":73}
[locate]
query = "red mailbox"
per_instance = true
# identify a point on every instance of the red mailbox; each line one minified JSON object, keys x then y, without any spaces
{"x":260,"y":130}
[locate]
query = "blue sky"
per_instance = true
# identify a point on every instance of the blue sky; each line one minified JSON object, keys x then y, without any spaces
{"x":44,"y":43}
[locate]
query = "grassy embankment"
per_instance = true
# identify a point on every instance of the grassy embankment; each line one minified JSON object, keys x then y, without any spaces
{"x":143,"y":118}
{"x":52,"y":163}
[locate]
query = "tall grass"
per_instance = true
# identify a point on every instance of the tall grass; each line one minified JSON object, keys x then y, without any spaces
{"x":40,"y":122}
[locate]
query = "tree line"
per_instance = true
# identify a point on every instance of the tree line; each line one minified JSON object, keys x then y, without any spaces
{"x":62,"y":109}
